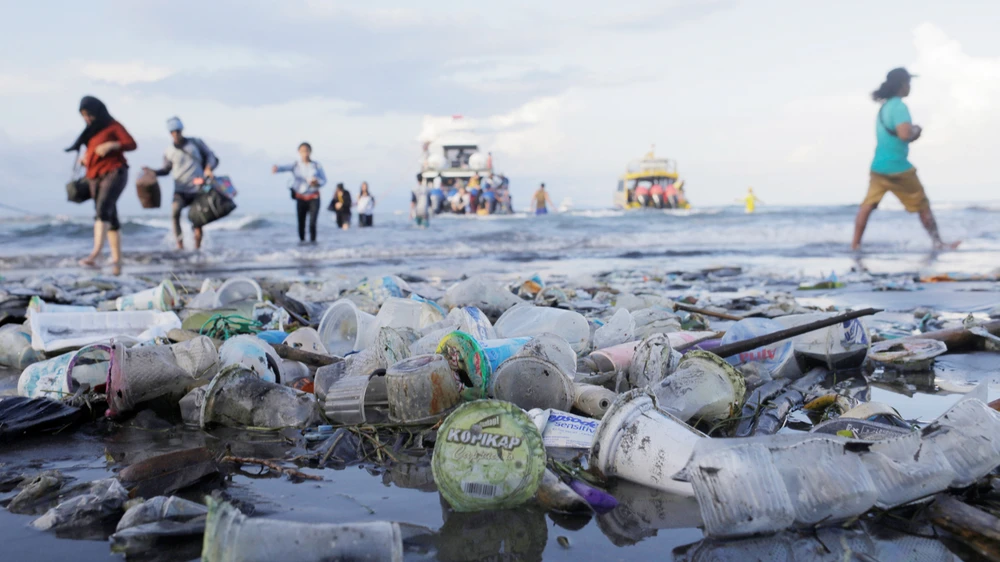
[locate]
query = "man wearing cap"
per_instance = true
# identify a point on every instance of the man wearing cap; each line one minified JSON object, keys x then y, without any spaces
{"x":890,"y":170}
{"x":189,"y":161}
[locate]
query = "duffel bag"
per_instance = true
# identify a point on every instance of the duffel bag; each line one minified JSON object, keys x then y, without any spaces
{"x":210,"y":207}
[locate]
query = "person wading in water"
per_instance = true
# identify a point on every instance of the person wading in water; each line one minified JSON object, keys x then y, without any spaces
{"x":107,"y":172}
{"x":890,"y":170}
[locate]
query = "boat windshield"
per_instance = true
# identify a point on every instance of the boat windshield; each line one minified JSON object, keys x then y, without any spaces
{"x":458,"y":156}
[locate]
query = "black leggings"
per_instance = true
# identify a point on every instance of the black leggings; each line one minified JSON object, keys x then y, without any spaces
{"x":308,"y":208}
{"x":106,"y":190}
{"x":364,"y":220}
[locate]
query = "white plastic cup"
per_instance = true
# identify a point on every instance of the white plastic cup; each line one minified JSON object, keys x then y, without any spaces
{"x":345,"y":328}
{"x":703,"y":386}
{"x":163,"y":297}
{"x":36,"y":304}
{"x":306,"y":339}
{"x":474,"y":322}
{"x":528,"y":320}
{"x":236,"y":290}
{"x":641,"y":443}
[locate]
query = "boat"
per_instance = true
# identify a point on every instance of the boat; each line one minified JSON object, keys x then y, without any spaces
{"x":651,"y":183}
{"x":453,"y":160}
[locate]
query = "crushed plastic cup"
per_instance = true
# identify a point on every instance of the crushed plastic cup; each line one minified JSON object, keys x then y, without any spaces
{"x":654,"y":320}
{"x":475,"y":361}
{"x":253,"y":353}
{"x":653,"y":360}
{"x":230,"y":536}
{"x":615,"y":359}
{"x":407,"y":314}
{"x":358,"y":398}
{"x":143,"y":373}
{"x":641,"y":443}
{"x":421,"y":389}
{"x":777,"y":358}
{"x":237,"y":290}
{"x":160,"y":508}
{"x":592,"y":400}
{"x":552,"y":348}
{"x":61,"y":376}
{"x":383,"y":288}
{"x":489,"y":297}
{"x":489,"y":455}
{"x":270,"y":316}
{"x":474,"y":322}
{"x":528,"y":320}
{"x":295,"y":374}
{"x":306,"y":339}
{"x":619,"y":329}
{"x":533,"y":382}
{"x":15,"y":347}
{"x":237,"y":397}
{"x":163,"y":297}
{"x":643,"y":511}
{"x":703,"y":387}
{"x":428,"y":344}
{"x":912,"y":355}
{"x":345,"y":328}
{"x":836,"y":347}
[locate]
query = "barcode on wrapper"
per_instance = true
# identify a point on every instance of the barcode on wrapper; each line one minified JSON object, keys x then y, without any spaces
{"x":479,"y":489}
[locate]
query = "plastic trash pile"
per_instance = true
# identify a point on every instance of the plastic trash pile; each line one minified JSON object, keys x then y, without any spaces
{"x":606,"y":398}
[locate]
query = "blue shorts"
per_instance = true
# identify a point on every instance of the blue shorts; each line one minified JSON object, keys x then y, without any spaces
{"x":541,"y":211}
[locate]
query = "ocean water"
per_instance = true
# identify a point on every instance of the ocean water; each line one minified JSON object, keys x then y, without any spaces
{"x":804,"y":241}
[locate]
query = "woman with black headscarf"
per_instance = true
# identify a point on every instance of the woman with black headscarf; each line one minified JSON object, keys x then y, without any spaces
{"x":107,"y":171}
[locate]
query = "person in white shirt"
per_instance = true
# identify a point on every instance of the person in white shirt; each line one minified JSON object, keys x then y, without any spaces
{"x":307,"y":177}
{"x":366,"y":206}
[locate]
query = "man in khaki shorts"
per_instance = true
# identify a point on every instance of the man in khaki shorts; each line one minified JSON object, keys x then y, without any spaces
{"x":891,"y":171}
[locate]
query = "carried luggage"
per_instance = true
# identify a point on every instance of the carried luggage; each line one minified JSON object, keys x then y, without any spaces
{"x":78,"y":188}
{"x":213,"y":204}
{"x":148,"y":190}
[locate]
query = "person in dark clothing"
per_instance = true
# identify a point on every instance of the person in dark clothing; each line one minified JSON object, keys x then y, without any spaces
{"x":307,"y":177}
{"x":341,"y":205}
{"x":107,"y":171}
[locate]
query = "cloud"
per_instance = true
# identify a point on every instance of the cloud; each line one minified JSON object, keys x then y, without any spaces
{"x":125,"y":73}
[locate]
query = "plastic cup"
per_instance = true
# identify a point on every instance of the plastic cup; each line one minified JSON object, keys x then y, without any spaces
{"x":703,"y":386}
{"x":476,"y":361}
{"x":474,"y":322}
{"x":236,"y":290}
{"x":345,"y":328}
{"x":60,"y":376}
{"x":237,"y":397}
{"x":641,"y":443}
{"x":421,"y":389}
{"x":306,"y":339}
{"x":163,"y":297}
{"x":232,"y":537}
{"x":533,"y":382}
{"x":15,"y":348}
{"x":407,"y":314}
{"x":528,"y":320}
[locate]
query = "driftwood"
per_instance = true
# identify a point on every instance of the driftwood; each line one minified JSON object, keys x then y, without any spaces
{"x":976,"y":528}
{"x":705,"y":312}
{"x":958,"y":339}
{"x":283,"y":351}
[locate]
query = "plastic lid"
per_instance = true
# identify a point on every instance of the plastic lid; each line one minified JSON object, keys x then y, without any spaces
{"x":488,"y":455}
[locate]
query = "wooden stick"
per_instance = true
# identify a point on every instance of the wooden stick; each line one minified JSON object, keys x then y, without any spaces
{"x":290,"y":472}
{"x":957,"y":338}
{"x":774,"y":337}
{"x":975,"y":527}
{"x":283,"y":351}
{"x":303,"y":356}
{"x":704,"y":311}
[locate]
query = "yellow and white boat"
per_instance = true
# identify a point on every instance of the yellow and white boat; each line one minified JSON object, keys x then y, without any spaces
{"x":651,"y":182}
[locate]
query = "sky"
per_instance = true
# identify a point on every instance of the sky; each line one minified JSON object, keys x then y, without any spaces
{"x":773,"y":94}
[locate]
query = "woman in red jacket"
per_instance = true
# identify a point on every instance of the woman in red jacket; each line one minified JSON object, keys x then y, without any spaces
{"x":106,"y":141}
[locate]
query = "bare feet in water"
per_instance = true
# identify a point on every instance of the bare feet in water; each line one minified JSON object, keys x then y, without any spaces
{"x":947,"y":245}
{"x":89,"y":261}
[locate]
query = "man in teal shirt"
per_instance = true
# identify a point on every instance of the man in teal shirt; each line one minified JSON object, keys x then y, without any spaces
{"x":890,"y":170}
